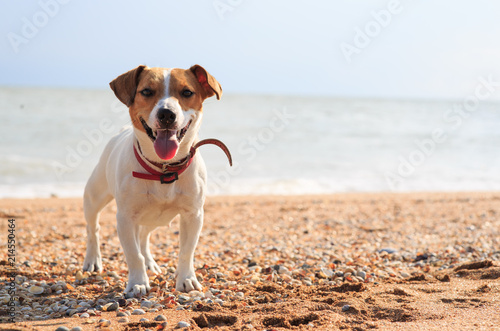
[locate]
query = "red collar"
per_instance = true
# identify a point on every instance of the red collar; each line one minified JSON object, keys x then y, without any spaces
{"x":172,"y":171}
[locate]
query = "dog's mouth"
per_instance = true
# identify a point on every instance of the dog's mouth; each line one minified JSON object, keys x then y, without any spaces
{"x":166,"y":142}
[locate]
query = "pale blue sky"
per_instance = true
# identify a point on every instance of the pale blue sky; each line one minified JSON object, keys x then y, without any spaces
{"x":429,"y":49}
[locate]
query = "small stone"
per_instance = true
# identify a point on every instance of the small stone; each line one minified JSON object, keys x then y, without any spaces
{"x":112,"y":306}
{"x":36,"y":290}
{"x":361,"y":274}
{"x":123,"y":320}
{"x":255,"y":279}
{"x":160,"y":318}
{"x":79,"y":275}
{"x":138,"y":312}
{"x":405,"y":274}
{"x":283,"y":270}
{"x":326,"y":272}
{"x":183,"y":297}
{"x":71,"y":312}
{"x":146,"y":304}
{"x":193,"y":294}
{"x":345,"y":308}
{"x":62,"y":328}
{"x":84,"y":315}
{"x":388,"y":250}
{"x":121,"y":314}
{"x":183,"y":324}
{"x":143,"y":320}
{"x":77,"y":328}
{"x":104,"y":323}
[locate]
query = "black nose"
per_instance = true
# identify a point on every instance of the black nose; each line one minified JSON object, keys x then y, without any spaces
{"x":166,"y":116}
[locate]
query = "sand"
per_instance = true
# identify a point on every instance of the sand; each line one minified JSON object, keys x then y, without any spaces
{"x":422,"y":261}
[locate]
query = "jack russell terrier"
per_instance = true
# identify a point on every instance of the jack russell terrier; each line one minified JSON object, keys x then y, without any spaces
{"x":153,"y":172}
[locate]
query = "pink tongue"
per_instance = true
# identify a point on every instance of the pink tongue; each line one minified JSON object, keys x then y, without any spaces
{"x":166,"y":144}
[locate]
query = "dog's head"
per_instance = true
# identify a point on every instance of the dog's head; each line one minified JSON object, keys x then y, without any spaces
{"x":166,"y":104}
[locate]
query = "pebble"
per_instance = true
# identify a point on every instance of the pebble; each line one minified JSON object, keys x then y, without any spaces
{"x":138,"y":312}
{"x":183,"y":324}
{"x":361,"y":274}
{"x":345,"y":307}
{"x":326,"y":272}
{"x":62,"y":328}
{"x":84,"y":315}
{"x":143,"y":320}
{"x":36,"y":290}
{"x":77,"y":328}
{"x":79,"y":275}
{"x":123,"y":320}
{"x":388,"y":250}
{"x":104,"y":323}
{"x":160,"y":318}
{"x":121,"y":314}
{"x":112,"y":306}
{"x":183,"y":297}
{"x":147,"y":304}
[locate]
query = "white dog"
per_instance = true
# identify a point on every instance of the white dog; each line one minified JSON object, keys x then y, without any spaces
{"x":152,"y":170}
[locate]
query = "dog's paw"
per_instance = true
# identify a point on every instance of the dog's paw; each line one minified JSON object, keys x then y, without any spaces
{"x":153,"y":266}
{"x":92,"y":263}
{"x":138,"y":285}
{"x":136,"y":290}
{"x":187,"y":284}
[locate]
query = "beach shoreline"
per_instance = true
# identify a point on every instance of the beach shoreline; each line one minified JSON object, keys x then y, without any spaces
{"x":350,"y":261}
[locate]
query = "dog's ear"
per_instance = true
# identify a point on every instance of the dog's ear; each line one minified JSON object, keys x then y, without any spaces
{"x":210,"y":85}
{"x":125,"y":85}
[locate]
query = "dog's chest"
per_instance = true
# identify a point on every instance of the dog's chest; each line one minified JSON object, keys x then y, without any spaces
{"x":157,"y":204}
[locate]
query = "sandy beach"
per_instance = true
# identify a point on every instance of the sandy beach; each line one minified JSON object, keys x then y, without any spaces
{"x":419,"y":261}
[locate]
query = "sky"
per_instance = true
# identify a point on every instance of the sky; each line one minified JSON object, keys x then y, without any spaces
{"x":341,"y":48}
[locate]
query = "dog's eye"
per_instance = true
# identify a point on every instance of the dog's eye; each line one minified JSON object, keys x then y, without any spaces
{"x":187,"y":93}
{"x":147,"y":92}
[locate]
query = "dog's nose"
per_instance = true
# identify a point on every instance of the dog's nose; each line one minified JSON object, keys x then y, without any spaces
{"x":166,"y":116}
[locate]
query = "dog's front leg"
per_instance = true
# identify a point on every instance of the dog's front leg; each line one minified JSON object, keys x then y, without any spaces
{"x":190,"y":228}
{"x":144,"y":234}
{"x":128,"y":232}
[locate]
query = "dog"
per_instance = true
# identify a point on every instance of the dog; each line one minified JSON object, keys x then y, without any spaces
{"x":153,"y":172}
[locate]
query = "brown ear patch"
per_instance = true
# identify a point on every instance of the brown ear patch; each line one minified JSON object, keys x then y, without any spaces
{"x":125,"y":85}
{"x":210,"y":85}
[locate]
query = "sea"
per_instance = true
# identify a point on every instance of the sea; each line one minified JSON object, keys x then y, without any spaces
{"x":51,"y":139}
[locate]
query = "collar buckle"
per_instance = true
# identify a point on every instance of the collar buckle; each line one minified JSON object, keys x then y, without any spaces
{"x":169,"y":177}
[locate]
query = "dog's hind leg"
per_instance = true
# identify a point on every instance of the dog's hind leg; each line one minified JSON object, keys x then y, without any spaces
{"x":149,"y":262}
{"x":96,"y":197}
